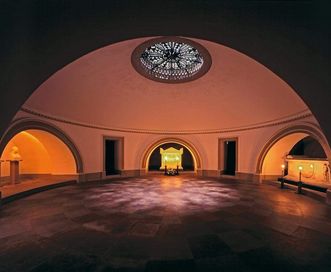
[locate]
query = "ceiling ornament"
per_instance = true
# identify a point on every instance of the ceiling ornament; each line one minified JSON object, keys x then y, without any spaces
{"x":171,"y":59}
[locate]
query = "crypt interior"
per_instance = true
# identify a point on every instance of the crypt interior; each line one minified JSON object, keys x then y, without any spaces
{"x":195,"y":137}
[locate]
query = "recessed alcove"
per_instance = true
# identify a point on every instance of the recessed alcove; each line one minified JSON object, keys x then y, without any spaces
{"x":187,"y":161}
{"x":42,"y":154}
{"x":297,"y":152}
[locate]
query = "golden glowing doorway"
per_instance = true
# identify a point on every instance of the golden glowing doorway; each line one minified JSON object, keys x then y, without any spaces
{"x":171,"y":158}
{"x":169,"y":152}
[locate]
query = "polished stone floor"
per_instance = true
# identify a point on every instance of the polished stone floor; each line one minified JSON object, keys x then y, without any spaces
{"x":30,"y":183}
{"x":166,"y":224}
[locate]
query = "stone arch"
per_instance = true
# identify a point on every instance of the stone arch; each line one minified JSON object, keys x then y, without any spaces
{"x":310,"y":129}
{"x":195,"y":154}
{"x":23,"y":124}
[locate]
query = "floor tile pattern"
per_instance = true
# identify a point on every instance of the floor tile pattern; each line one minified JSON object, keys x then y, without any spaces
{"x":169,"y":224}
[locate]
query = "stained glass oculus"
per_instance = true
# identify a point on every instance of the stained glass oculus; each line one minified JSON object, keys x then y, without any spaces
{"x":171,"y":59}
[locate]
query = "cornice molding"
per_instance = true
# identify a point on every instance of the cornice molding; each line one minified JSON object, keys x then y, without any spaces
{"x":276,"y":122}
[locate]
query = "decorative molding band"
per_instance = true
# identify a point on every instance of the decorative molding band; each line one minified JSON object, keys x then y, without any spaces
{"x":281,"y":121}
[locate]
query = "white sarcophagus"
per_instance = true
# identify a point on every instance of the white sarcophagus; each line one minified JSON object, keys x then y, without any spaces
{"x":312,"y":170}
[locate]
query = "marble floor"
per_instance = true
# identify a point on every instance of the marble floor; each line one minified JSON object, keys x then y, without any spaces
{"x":166,"y":224}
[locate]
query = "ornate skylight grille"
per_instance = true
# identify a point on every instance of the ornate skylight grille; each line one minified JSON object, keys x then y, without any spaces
{"x":171,"y":60}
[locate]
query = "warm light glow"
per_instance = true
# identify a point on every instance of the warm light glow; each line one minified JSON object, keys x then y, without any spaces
{"x":300,"y":168}
{"x":41,"y":152}
{"x":191,"y":150}
{"x":313,"y":170}
{"x":171,"y":158}
{"x":283,"y":166}
{"x":171,"y":183}
{"x":275,"y":156}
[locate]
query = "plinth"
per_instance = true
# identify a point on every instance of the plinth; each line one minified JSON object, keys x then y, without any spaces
{"x":14,"y":171}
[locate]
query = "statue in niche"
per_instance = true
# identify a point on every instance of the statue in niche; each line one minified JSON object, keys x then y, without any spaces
{"x":14,"y":154}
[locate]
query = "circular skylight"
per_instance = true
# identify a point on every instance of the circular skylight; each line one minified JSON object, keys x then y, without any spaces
{"x":171,"y":59}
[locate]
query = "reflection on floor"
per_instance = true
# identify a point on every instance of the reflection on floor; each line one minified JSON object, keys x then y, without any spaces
{"x":166,"y":224}
{"x":29,"y":183}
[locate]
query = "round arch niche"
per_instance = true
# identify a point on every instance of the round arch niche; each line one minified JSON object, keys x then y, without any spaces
{"x":44,"y":149}
{"x":275,"y":152}
{"x":176,"y":143}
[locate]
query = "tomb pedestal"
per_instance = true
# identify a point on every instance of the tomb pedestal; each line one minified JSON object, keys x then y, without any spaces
{"x":14,"y":171}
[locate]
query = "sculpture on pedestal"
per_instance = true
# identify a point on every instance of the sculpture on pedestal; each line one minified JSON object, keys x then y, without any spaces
{"x":14,"y":154}
{"x":15,"y":158}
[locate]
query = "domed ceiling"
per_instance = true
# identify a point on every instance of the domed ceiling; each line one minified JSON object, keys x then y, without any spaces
{"x":103,"y":89}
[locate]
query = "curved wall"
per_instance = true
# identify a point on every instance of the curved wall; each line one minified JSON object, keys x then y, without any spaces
{"x":101,"y":96}
{"x":103,"y":89}
{"x":260,"y":29}
{"x":89,"y":142}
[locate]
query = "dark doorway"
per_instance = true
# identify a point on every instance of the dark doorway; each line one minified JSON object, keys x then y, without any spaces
{"x":230,"y":158}
{"x":111,"y":157}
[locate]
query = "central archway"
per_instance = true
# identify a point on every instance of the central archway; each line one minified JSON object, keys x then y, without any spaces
{"x":193,"y":151}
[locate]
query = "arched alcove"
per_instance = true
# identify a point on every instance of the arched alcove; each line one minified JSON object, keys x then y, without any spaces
{"x":190,"y":148}
{"x":186,"y":162}
{"x":41,"y":152}
{"x":44,"y":149}
{"x":276,"y":151}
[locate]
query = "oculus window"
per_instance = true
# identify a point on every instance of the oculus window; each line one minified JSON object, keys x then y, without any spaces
{"x":171,"y":59}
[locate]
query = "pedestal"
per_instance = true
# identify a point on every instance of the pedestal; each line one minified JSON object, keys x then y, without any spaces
{"x":14,"y":171}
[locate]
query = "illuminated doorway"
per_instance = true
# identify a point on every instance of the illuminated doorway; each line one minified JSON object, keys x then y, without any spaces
{"x":151,"y":159}
{"x":156,"y":163}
